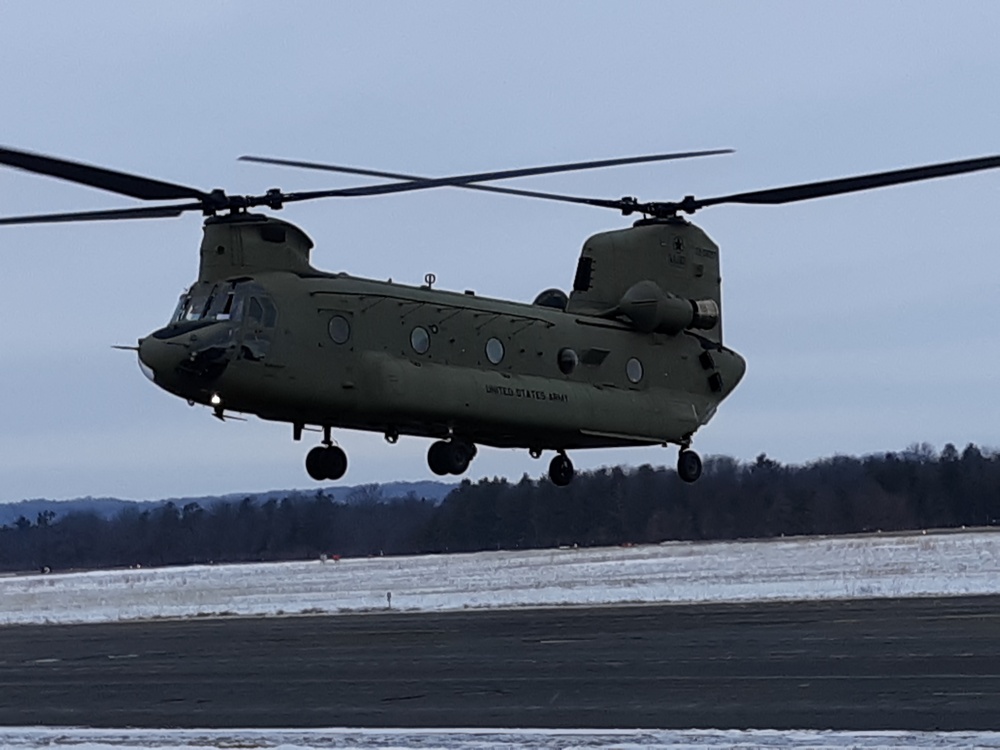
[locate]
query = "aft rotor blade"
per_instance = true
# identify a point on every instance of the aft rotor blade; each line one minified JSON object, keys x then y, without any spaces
{"x":810,"y":190}
{"x":466,"y":179}
{"x":122,"y":183}
{"x":145,"y":212}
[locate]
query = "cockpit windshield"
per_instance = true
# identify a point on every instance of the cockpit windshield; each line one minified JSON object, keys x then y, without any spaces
{"x":204,"y":302}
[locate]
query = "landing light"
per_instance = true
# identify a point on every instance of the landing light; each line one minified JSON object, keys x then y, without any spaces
{"x":216,"y":399}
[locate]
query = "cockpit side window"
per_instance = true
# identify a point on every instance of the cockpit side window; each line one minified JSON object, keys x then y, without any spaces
{"x":262,"y":312}
{"x":261,"y":315}
{"x":256,"y":312}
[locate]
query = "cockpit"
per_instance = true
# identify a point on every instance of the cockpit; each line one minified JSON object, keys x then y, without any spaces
{"x":226,"y":301}
{"x":214,"y":325}
{"x":245,"y":311}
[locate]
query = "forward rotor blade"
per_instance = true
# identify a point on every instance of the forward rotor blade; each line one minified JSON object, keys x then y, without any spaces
{"x":402,"y":176}
{"x":150,"y":212}
{"x":810,"y":190}
{"x":122,"y":183}
{"x":464,"y":180}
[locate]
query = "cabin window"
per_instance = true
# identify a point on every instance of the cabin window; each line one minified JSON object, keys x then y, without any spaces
{"x":494,"y":350}
{"x":340,"y":329}
{"x":568,"y":360}
{"x":633,"y":369}
{"x":420,"y":340}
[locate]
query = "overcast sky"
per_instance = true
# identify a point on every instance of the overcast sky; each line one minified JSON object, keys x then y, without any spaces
{"x":868,"y":321}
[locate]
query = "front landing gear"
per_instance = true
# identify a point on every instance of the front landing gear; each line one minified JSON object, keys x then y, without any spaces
{"x":326,"y":462}
{"x":688,"y":465}
{"x":561,"y":470}
{"x":450,"y":456}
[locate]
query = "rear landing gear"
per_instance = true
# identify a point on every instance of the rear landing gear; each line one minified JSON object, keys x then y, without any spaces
{"x":326,"y":462}
{"x":688,"y":465}
{"x":450,"y":456}
{"x":561,"y":470}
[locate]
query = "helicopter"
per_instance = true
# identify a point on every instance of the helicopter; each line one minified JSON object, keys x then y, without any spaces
{"x":633,"y":355}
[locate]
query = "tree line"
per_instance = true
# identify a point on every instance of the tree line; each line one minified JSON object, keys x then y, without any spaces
{"x":912,"y":489}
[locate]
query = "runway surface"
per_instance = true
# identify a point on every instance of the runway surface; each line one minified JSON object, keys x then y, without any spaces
{"x":919,"y":664}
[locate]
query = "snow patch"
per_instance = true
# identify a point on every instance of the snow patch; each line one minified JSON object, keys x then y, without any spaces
{"x":910,"y":565}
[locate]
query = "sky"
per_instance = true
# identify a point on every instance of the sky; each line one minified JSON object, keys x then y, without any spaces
{"x":868,"y":321}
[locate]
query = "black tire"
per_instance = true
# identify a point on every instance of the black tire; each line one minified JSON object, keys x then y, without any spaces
{"x":335,"y":461}
{"x":462,"y":454}
{"x":561,"y":470}
{"x":439,"y":458}
{"x":326,"y":463}
{"x":450,"y":457}
{"x":688,"y":466}
{"x":316,"y":463}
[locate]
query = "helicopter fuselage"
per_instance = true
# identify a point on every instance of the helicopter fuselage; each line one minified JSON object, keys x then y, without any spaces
{"x":311,"y":348}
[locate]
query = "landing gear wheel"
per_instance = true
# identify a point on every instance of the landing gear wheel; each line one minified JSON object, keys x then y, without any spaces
{"x":438,"y":458}
{"x":314,"y":463}
{"x":326,"y":462}
{"x":561,"y":470}
{"x":336,"y":463}
{"x":450,"y":457}
{"x":688,"y":465}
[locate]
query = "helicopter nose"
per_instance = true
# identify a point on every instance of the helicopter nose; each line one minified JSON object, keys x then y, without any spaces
{"x":157,"y":356}
{"x":144,"y":368}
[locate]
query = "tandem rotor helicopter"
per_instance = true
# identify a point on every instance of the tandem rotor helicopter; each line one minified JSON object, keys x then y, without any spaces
{"x":632,"y":356}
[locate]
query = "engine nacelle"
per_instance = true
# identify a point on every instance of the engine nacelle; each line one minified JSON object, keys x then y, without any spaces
{"x":649,"y":308}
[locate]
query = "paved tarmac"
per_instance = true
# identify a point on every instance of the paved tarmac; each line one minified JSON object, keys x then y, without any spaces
{"x":918,"y":664}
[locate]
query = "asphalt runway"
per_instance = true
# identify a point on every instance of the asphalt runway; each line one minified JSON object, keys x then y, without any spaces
{"x":919,"y":664}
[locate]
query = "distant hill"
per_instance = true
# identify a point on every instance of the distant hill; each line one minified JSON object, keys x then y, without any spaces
{"x":429,"y":490}
{"x":109,"y":507}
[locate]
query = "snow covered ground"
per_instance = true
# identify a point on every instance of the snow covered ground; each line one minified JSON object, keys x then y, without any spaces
{"x":803,"y":568}
{"x":501,"y":739}
{"x":818,"y":568}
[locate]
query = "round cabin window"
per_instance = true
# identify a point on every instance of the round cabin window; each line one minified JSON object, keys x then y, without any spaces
{"x":633,"y":369}
{"x":340,"y":329}
{"x":568,"y":360}
{"x":420,"y":340}
{"x":494,"y":350}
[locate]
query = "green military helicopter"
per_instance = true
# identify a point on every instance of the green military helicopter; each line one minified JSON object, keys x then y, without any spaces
{"x":632,"y":356}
